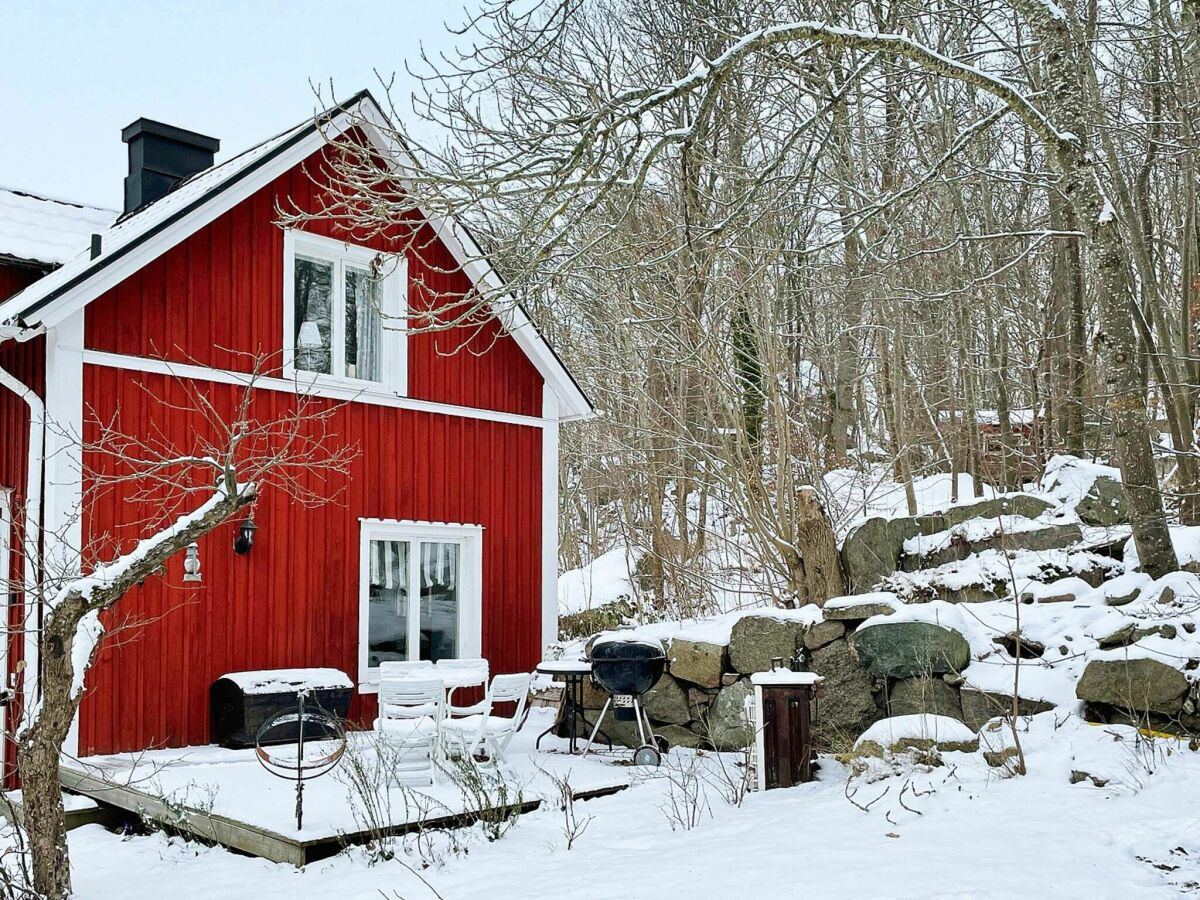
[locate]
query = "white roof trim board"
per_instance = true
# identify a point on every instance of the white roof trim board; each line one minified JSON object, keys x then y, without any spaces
{"x":46,"y":231}
{"x":138,"y":239}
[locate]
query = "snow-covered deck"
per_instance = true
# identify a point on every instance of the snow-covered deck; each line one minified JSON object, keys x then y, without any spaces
{"x":226,"y":797}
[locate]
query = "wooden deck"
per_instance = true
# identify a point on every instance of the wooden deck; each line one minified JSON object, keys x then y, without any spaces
{"x":79,"y":811}
{"x":222,"y":797}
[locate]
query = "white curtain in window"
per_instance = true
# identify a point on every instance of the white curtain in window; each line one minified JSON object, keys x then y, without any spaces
{"x":363,"y":297}
{"x":387,"y":565}
{"x":439,"y":565}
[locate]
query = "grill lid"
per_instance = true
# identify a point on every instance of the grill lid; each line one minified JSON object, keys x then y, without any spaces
{"x":616,"y":647}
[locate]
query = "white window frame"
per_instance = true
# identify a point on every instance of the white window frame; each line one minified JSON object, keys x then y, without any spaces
{"x":470,"y":601}
{"x":393,"y":304}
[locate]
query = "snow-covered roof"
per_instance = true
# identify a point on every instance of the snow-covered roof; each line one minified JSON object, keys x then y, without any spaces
{"x":46,"y":230}
{"x":119,"y":236}
{"x":136,"y":239}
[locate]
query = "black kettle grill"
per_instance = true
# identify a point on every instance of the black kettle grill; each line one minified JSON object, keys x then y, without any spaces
{"x":627,"y":669}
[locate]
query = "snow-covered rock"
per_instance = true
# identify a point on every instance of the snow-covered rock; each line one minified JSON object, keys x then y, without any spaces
{"x":1094,"y":491}
{"x":920,"y":731}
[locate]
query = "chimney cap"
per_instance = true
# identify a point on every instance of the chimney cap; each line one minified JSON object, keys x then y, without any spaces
{"x":141,"y":126}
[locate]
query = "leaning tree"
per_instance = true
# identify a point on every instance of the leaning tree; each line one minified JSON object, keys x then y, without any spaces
{"x":238,"y":452}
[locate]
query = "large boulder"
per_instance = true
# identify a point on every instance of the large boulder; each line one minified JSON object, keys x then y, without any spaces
{"x":857,"y":607}
{"x":872,"y":551}
{"x":594,"y":696}
{"x":923,"y":694}
{"x":621,"y":733}
{"x":756,"y":640}
{"x":1104,"y":504}
{"x":699,"y":662}
{"x":667,"y":702}
{"x":907,"y":649}
{"x":1140,"y":685}
{"x":728,"y":727}
{"x":847,"y":705}
{"x":678,"y":736}
{"x":980,"y":706}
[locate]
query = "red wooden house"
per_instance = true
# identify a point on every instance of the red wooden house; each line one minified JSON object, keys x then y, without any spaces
{"x":452,"y":500}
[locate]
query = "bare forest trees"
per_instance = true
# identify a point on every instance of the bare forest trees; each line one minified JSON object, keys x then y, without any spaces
{"x":782,"y":238}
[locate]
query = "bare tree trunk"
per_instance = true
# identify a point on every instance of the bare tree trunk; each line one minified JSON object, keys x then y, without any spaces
{"x":1067,"y":328}
{"x":38,"y":752}
{"x":820,"y":562}
{"x":892,"y":417}
{"x":40,"y":741}
{"x":1119,"y":347}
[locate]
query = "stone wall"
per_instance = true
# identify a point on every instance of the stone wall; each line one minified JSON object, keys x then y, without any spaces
{"x":869,"y":673}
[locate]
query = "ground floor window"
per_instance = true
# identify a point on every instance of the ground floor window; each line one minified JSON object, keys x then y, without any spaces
{"x":419,"y":593}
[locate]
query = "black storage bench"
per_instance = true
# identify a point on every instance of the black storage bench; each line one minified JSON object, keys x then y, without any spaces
{"x":240,"y":702}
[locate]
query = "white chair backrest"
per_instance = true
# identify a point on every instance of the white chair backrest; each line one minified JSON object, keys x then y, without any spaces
{"x":409,"y":697}
{"x":407,"y":667}
{"x":510,"y":689}
{"x":471,"y":665}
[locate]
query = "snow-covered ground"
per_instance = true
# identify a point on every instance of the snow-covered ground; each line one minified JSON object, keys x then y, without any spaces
{"x":960,"y":830}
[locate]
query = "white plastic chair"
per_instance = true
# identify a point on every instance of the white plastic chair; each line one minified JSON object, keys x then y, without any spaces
{"x":469,"y":672}
{"x":487,"y":731}
{"x":407,"y":667}
{"x":410,"y":718}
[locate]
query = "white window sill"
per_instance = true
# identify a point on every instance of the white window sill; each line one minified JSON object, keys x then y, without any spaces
{"x":320,"y":385}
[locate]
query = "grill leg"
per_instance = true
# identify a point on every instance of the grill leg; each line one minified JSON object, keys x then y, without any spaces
{"x":637,"y":715}
{"x":649,"y":737}
{"x":596,"y":728}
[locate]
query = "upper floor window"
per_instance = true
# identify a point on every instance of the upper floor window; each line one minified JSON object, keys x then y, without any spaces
{"x":343,"y":311}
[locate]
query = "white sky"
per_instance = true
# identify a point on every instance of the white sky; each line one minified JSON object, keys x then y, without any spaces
{"x":73,"y":74}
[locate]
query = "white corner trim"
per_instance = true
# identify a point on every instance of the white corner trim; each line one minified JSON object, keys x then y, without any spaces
{"x":6,"y":537}
{"x":470,"y":603}
{"x":62,"y":507}
{"x":305,"y":384}
{"x":550,"y":455}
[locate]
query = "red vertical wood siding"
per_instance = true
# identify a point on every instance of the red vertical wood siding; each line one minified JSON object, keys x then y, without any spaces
{"x":26,"y":361}
{"x":293,"y":600}
{"x":216,"y":300}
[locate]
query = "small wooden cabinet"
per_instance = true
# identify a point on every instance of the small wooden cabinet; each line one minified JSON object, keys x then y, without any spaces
{"x":783,"y":706}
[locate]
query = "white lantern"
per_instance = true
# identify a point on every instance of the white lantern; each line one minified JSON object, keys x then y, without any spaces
{"x":191,"y":563}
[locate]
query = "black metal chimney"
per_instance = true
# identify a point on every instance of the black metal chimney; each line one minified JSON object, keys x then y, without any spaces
{"x":161,"y":156}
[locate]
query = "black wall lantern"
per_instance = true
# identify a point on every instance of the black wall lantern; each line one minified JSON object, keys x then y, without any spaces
{"x":245,"y":536}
